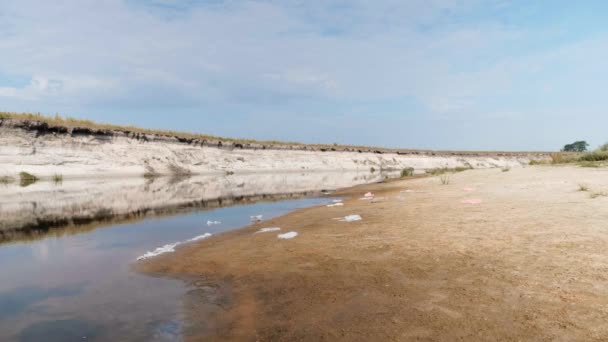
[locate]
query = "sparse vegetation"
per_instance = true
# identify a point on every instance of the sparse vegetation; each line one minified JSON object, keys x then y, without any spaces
{"x":583,"y":187}
{"x":6,"y":180}
{"x":445,"y":178}
{"x":596,"y":194}
{"x":26,"y":179}
{"x":506,"y":169}
{"x":57,"y":178}
{"x":594,"y":156}
{"x":372,"y":169}
{"x":150,"y":174}
{"x":407,"y":172}
{"x":564,"y":157}
{"x":442,"y":170}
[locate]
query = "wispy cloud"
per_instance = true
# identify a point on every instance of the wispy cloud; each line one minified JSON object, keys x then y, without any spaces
{"x":217,"y":63}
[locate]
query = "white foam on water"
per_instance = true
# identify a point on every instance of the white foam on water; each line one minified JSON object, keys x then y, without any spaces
{"x":200,"y":237}
{"x":337,"y":201}
{"x":168,"y":248}
{"x":289,"y":235}
{"x":212,"y":223}
{"x":256,"y":218}
{"x":339,"y":204}
{"x":267,"y":230}
{"x":351,"y":218}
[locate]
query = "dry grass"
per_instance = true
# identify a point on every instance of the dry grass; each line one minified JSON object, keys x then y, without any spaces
{"x":596,"y":194}
{"x":442,"y":170}
{"x":69,"y":122}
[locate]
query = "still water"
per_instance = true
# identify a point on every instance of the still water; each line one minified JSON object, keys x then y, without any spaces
{"x":67,"y":250}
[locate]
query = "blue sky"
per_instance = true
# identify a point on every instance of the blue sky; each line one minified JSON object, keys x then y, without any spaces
{"x":450,"y":74}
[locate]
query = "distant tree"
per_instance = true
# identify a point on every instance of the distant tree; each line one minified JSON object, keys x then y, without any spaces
{"x":577,"y":146}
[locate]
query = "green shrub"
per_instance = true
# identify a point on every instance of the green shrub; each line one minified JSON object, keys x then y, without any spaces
{"x":27,"y":178}
{"x":407,"y":172}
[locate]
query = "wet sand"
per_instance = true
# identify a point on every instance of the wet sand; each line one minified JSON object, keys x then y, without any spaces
{"x":527,"y":263}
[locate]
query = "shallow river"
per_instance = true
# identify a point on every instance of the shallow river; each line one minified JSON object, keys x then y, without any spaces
{"x":67,"y":250}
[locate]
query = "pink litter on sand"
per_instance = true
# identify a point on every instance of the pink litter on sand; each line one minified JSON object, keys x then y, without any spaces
{"x":369,"y":194}
{"x":472,"y":201}
{"x":468,"y":189}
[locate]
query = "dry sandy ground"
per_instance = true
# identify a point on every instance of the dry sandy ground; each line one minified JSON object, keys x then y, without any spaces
{"x":528,"y":263}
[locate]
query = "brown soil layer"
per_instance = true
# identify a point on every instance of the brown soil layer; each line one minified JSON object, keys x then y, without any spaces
{"x":528,"y":263}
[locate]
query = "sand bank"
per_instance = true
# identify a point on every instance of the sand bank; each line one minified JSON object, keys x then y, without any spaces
{"x":527,"y":262}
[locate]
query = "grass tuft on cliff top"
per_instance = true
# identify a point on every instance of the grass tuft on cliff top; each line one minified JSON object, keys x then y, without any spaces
{"x":69,"y":122}
{"x":58,"y":120}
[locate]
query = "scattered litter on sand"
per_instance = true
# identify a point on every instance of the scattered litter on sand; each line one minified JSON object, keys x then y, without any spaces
{"x":366,"y":198}
{"x":472,"y":201}
{"x":256,"y":218}
{"x":369,"y":194}
{"x":289,"y":235}
{"x":267,"y":230}
{"x":200,"y":237}
{"x":336,"y":204}
{"x":168,"y":248}
{"x":378,"y":199}
{"x":212,"y":223}
{"x":468,"y":189}
{"x":350,"y":218}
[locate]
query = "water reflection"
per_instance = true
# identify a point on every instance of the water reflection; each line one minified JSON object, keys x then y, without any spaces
{"x":74,"y":206}
{"x":61,"y":286}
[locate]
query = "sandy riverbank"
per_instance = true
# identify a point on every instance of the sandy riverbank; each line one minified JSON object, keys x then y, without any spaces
{"x":527,"y":263}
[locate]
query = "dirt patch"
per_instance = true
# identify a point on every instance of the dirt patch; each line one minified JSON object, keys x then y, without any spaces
{"x":527,"y":263}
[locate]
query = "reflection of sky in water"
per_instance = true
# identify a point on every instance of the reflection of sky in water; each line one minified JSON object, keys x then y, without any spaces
{"x":82,"y":284}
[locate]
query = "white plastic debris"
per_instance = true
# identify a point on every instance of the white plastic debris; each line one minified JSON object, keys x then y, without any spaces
{"x":168,"y":248}
{"x":350,"y":218}
{"x":366,"y":198}
{"x":268,"y":230}
{"x":256,"y":218}
{"x":337,"y":201}
{"x":212,"y":223}
{"x":289,"y":235}
{"x":339,"y":204}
